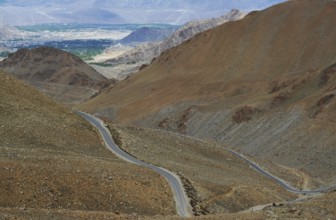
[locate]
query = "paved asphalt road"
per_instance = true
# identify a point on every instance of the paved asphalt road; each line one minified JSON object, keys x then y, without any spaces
{"x":278,"y":180}
{"x":183,"y":206}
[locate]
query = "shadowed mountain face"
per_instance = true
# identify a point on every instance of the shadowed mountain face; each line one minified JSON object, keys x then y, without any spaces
{"x":59,"y":74}
{"x":264,"y":84}
{"x":148,"y":34}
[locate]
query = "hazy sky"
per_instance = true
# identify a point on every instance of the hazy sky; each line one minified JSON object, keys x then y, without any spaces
{"x":25,"y":12}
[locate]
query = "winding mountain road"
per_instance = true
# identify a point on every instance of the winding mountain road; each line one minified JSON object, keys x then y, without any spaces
{"x":277,"y":179}
{"x":183,"y":206}
{"x":262,"y":171}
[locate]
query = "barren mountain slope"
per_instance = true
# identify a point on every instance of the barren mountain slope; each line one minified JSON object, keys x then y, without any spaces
{"x":125,"y":61}
{"x":264,"y":84}
{"x":215,"y":174}
{"x":59,"y":74}
{"x":51,"y":159}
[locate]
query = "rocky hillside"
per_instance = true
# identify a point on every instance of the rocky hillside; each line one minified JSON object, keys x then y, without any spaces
{"x":59,"y":74}
{"x":145,"y":53}
{"x":52,"y":161}
{"x":265,"y":85}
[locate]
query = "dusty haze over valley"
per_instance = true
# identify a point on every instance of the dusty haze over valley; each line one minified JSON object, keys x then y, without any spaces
{"x":186,"y":110}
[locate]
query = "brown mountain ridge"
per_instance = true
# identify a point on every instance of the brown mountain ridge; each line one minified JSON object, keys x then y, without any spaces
{"x":59,"y":74}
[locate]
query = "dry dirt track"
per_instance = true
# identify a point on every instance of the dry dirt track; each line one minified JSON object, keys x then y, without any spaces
{"x":182,"y":202}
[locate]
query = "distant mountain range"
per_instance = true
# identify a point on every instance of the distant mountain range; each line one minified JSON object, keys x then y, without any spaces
{"x":8,"y":32}
{"x":130,"y":11}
